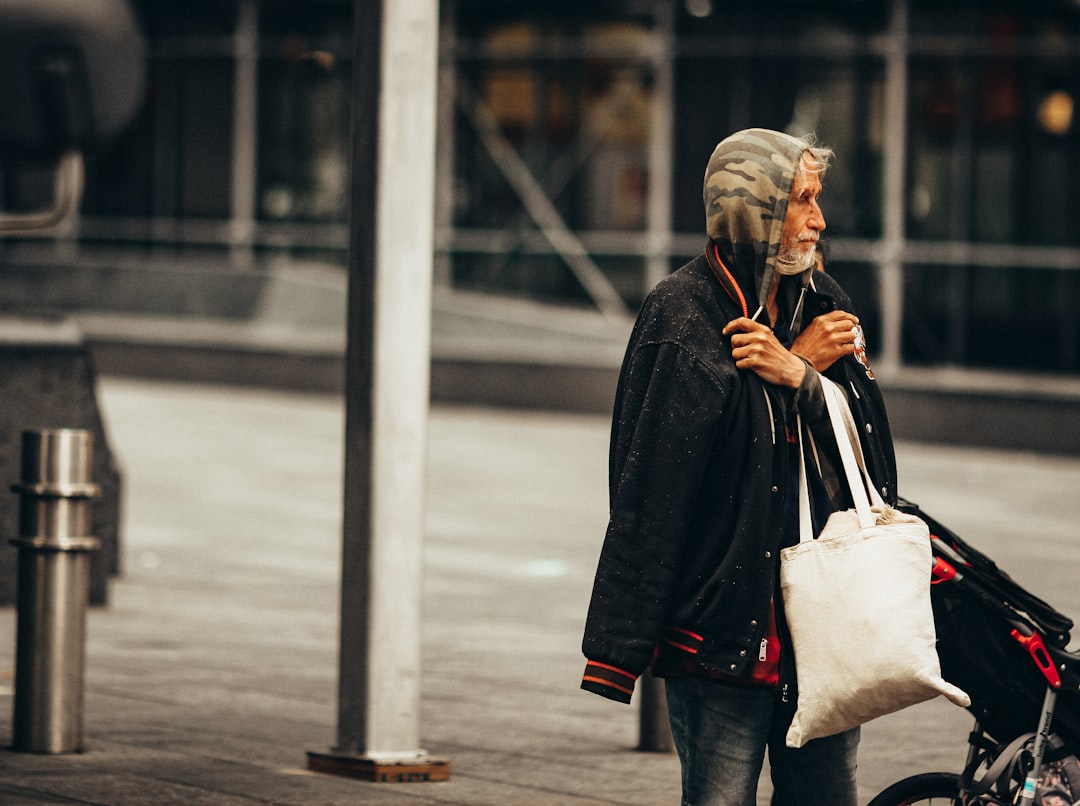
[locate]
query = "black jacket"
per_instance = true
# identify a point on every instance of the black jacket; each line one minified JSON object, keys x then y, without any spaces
{"x":700,"y":473}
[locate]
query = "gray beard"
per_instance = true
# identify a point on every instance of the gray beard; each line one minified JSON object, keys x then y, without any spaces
{"x":794,"y":261}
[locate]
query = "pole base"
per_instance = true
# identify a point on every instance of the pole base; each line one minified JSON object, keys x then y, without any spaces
{"x":421,"y":769}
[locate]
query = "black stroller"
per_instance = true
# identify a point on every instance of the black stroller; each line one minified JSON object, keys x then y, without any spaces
{"x":1005,"y":647}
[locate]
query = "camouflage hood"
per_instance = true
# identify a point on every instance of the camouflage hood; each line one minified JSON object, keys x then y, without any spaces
{"x":747,"y":185}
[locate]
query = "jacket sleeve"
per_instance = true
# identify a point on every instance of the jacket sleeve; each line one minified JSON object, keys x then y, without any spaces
{"x":809,"y":400}
{"x":665,"y":424}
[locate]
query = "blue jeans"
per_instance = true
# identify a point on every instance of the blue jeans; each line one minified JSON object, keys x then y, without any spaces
{"x":721,"y":733}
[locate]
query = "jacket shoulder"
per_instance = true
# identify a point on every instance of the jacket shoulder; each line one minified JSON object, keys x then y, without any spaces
{"x":689,"y":309}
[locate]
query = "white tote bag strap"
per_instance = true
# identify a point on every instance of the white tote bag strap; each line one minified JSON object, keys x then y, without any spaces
{"x":863,"y":492}
{"x":806,"y":521}
{"x":851,"y":455}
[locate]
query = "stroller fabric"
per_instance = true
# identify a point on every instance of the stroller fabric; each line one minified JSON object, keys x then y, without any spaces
{"x":1054,"y":625}
{"x":979,"y":654}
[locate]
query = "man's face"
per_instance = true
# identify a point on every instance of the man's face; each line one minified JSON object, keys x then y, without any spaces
{"x":804,"y":222}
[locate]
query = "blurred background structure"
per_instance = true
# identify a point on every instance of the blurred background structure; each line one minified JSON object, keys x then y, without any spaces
{"x":211,"y":240}
{"x":588,"y":124}
{"x":572,"y":141}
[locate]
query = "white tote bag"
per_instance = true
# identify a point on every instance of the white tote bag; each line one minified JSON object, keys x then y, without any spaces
{"x":857,"y":601}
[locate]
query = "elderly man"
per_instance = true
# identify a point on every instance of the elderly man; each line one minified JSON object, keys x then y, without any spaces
{"x":703,"y":478}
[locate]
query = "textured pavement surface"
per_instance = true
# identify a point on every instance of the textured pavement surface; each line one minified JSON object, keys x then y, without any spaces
{"x":213,"y":668}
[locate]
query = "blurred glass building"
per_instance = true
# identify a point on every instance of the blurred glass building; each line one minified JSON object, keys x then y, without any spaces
{"x":573,"y":138}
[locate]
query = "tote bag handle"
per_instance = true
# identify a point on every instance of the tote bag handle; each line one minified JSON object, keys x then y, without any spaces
{"x":851,"y":456}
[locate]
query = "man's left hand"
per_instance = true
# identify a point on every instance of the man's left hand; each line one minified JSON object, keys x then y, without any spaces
{"x":827,"y":338}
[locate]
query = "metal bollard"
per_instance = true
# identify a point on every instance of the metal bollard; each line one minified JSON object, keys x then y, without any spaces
{"x":53,"y":589}
{"x":654,"y":731}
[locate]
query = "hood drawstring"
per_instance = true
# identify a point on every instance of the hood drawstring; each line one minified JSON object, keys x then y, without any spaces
{"x":731,"y":286}
{"x":795,"y":316}
{"x":772,"y":417}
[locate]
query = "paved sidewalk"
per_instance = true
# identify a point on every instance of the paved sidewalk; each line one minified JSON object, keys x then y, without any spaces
{"x":213,"y":669}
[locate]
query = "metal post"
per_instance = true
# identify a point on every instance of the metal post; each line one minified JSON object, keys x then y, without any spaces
{"x":53,"y":587}
{"x":891,"y":267}
{"x":661,"y":145}
{"x":387,"y":390}
{"x":654,"y":731}
{"x":245,"y":137}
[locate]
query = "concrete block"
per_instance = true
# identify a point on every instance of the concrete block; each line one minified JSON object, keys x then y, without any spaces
{"x":47,"y":380}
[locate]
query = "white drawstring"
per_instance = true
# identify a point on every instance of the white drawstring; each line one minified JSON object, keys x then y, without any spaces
{"x":772,"y":422}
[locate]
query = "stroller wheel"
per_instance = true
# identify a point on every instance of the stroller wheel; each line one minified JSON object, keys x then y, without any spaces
{"x":926,"y":789}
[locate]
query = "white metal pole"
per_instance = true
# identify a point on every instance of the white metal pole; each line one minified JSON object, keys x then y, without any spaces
{"x":245,"y":131}
{"x":661,"y":144}
{"x":387,"y":366}
{"x":891,"y":294}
